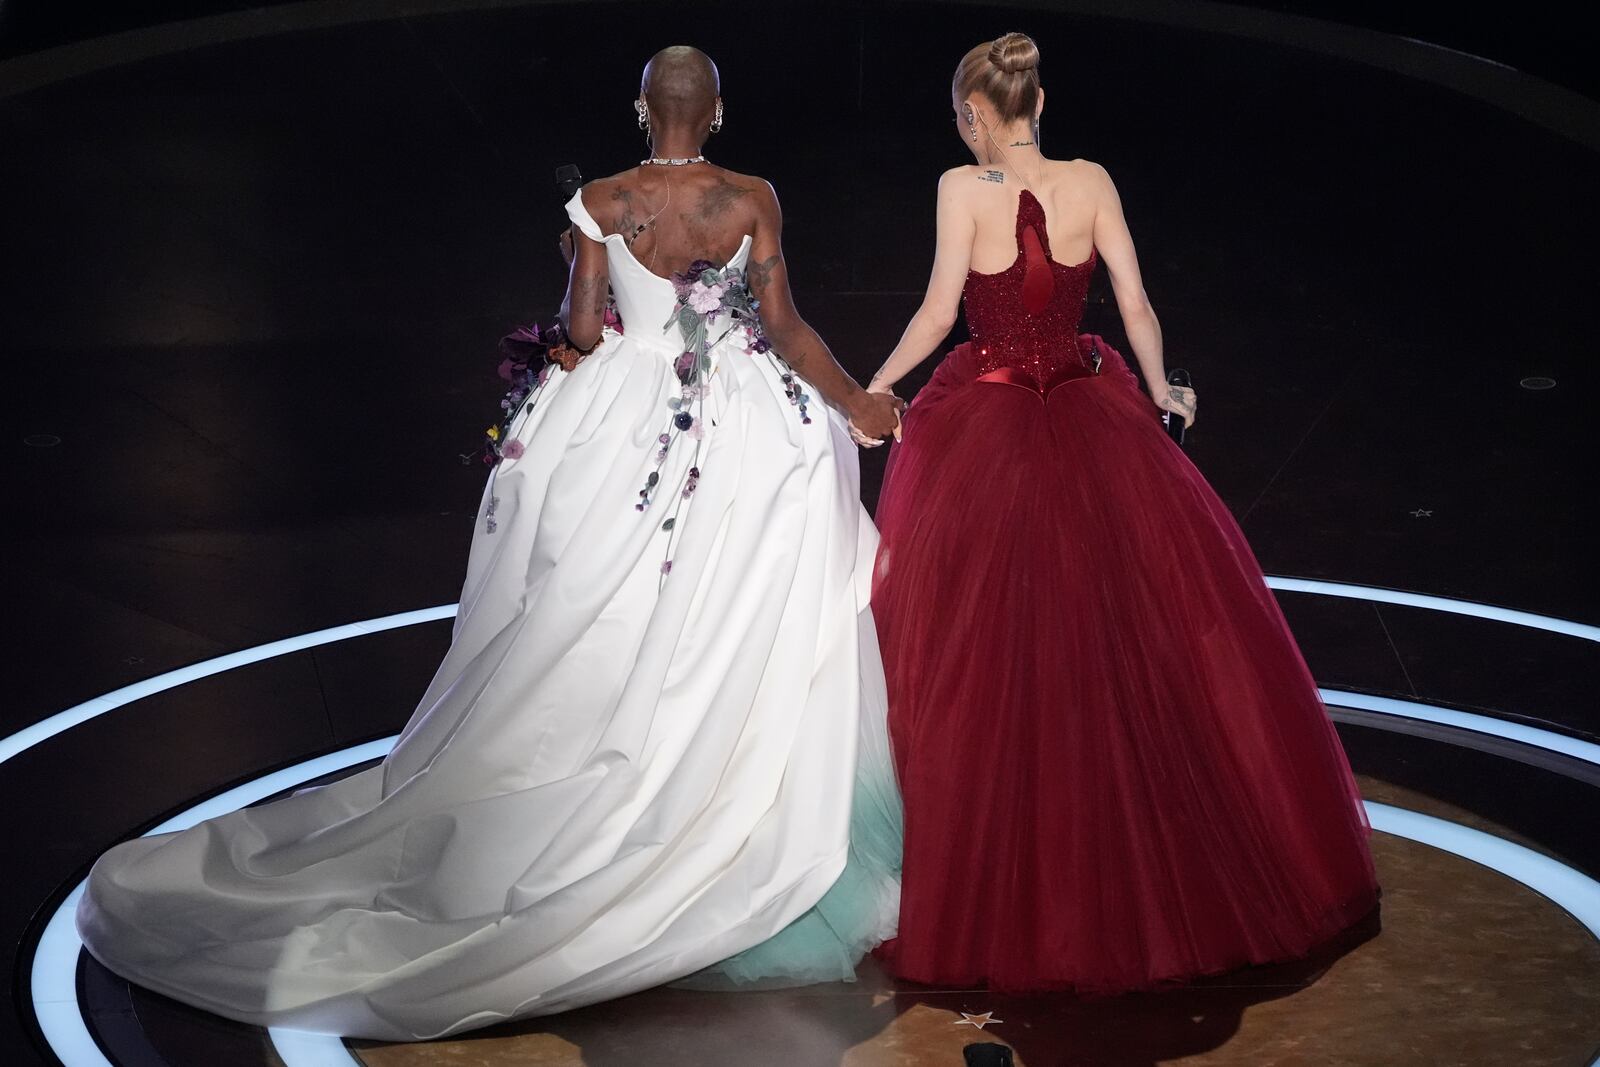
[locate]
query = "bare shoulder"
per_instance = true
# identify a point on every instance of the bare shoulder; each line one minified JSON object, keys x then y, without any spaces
{"x":603,"y":197}
{"x":968,"y":175}
{"x":1089,"y":172}
{"x":962,"y":184}
{"x":750,"y":184}
{"x":753,"y":191}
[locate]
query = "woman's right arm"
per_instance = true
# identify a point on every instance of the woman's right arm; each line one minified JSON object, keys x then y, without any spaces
{"x":952,"y":257}
{"x":588,"y":286}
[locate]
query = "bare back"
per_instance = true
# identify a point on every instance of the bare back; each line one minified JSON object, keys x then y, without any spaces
{"x":701,"y":212}
{"x":1068,"y":190}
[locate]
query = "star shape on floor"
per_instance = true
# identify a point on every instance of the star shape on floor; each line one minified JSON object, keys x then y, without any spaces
{"x":1422,"y":513}
{"x":980,"y":1021}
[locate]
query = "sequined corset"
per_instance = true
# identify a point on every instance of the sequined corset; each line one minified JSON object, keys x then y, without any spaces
{"x":1027,"y":315}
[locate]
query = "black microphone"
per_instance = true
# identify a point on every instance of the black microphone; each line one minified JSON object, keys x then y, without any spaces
{"x":567,"y":180}
{"x":1173,"y":420}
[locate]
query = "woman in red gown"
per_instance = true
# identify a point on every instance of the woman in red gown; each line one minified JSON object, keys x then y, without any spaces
{"x":1117,"y":771}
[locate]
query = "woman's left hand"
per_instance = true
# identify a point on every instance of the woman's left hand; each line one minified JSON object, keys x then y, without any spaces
{"x":1180,"y":399}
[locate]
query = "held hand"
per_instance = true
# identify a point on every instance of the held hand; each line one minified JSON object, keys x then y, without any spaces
{"x":877,"y":386}
{"x":1178,"y":399}
{"x":874,"y":415}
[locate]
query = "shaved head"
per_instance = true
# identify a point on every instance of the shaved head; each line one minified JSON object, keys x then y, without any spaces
{"x":680,"y":85}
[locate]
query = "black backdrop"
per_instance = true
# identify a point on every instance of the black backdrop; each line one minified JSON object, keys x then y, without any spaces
{"x":1534,"y":36}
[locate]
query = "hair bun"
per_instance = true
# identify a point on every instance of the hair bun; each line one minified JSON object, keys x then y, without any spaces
{"x":1014,"y":52}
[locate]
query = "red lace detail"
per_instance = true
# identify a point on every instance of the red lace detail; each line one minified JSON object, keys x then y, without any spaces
{"x":1027,"y":315}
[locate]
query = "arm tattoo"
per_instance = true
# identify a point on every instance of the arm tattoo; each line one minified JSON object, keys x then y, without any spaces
{"x":760,"y":274}
{"x":715,"y":201}
{"x":993,"y":176}
{"x":588,"y":294}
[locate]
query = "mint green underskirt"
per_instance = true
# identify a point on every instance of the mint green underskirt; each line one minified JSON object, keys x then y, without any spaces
{"x":862,"y":908}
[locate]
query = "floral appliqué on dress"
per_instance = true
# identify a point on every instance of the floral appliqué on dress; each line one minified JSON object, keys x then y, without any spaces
{"x":529,"y":355}
{"x":707,"y":293}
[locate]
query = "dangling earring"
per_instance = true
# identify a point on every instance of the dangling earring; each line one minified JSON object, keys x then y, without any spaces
{"x":644,"y":113}
{"x":716,"y":119}
{"x":972,"y":126}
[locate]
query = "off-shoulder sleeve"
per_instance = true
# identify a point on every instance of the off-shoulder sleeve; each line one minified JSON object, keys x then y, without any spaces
{"x":580,"y":218}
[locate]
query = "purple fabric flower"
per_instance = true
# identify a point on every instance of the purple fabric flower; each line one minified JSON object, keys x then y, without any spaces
{"x":706,"y":299}
{"x":512,"y":449}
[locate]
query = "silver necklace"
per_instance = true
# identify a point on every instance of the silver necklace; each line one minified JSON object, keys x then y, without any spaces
{"x":673,"y":162}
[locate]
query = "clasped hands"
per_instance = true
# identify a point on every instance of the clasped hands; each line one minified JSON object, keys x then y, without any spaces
{"x":874,"y":416}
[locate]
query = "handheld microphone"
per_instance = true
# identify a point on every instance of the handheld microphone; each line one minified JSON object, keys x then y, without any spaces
{"x":1174,"y":421}
{"x":567,"y":180}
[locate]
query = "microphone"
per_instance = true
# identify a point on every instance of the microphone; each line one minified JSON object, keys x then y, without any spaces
{"x":1173,"y":420}
{"x":567,"y":180}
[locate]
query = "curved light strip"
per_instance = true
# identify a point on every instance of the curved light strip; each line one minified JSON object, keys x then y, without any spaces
{"x":1574,"y":891}
{"x":66,"y":720}
{"x":1435,"y":603}
{"x":55,"y":961}
{"x":1465,"y":720}
{"x":55,"y":995}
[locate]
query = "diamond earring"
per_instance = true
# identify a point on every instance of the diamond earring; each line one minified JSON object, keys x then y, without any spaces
{"x":644,"y":113}
{"x":716,"y":119}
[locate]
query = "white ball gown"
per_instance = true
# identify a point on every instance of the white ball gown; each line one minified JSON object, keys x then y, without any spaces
{"x":620,"y":774}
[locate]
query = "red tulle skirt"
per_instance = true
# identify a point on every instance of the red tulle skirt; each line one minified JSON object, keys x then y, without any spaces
{"x":1116,"y":768}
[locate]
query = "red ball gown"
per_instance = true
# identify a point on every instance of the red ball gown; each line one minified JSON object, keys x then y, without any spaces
{"x":1116,"y":768}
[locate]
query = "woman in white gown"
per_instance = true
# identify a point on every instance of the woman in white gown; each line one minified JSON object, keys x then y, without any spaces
{"x":662,"y":701}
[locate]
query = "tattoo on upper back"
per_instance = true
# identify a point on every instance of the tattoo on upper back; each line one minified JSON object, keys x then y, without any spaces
{"x":626,"y":225}
{"x":993,"y":176}
{"x":715,"y":201}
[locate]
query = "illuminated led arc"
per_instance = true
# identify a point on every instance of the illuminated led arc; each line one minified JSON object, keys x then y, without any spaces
{"x":45,"y":729}
{"x":54,"y":983}
{"x":1381,"y":595}
{"x":1574,"y":891}
{"x":73,"y":716}
{"x":1465,"y":720}
{"x":55,"y":961}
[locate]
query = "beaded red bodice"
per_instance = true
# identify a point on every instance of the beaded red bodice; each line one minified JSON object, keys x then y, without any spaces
{"x":1027,"y":316}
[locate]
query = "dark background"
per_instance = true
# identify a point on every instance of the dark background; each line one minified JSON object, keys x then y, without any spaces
{"x":1536,"y":37}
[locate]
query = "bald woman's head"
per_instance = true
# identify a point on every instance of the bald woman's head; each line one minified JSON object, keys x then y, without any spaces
{"x":681,"y":86}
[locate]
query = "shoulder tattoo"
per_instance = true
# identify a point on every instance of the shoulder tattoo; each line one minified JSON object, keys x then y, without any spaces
{"x":624,"y":220}
{"x":715,"y":201}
